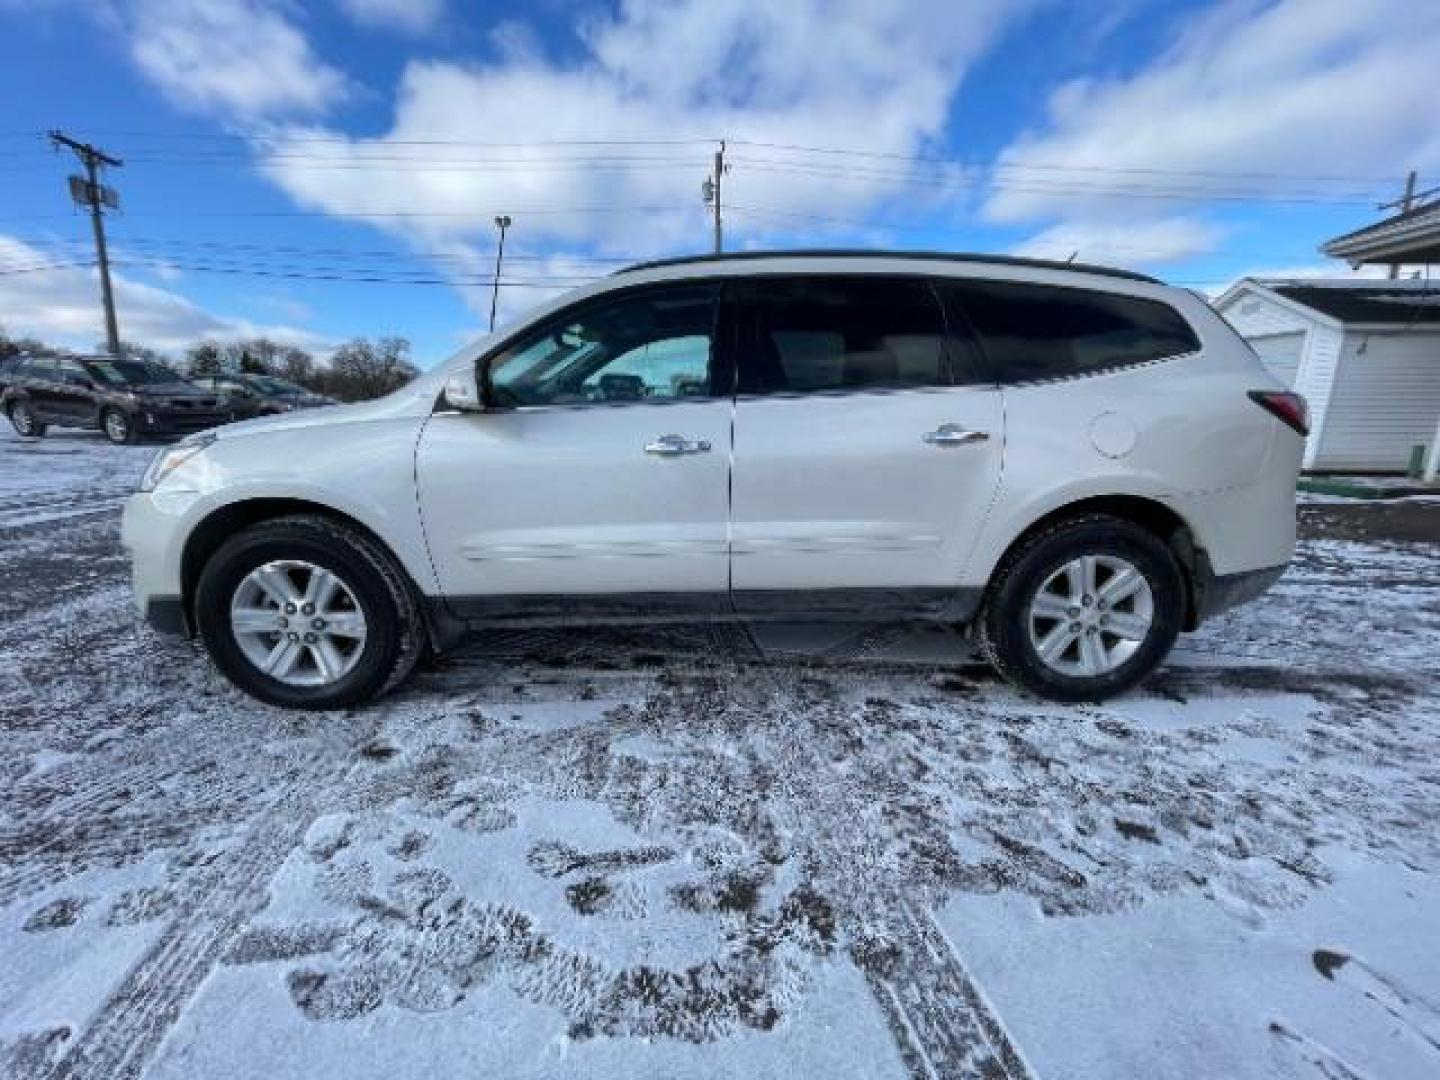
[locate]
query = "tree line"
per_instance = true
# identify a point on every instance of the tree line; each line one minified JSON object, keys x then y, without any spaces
{"x":357,"y":371}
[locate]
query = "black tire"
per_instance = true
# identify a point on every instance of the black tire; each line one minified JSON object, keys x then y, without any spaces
{"x":395,"y":633}
{"x":1003,"y":628}
{"x":118,"y":427}
{"x":24,"y":421}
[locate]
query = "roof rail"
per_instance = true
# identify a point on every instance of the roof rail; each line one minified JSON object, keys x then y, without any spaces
{"x":862,"y":253}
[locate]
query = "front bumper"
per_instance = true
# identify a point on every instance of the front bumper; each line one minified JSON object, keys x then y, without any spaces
{"x":148,"y":534}
{"x":166,"y":615}
{"x":153,"y":422}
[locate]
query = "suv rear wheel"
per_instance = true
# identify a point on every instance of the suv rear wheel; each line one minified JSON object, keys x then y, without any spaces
{"x":118,"y":427}
{"x":24,"y":421}
{"x":306,"y":612}
{"x":1084,"y":609}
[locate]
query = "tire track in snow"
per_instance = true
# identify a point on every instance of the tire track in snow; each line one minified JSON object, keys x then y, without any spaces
{"x":141,"y":1010}
{"x":942,"y":1025}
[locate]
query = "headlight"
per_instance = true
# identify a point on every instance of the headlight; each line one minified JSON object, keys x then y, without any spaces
{"x":172,"y":457}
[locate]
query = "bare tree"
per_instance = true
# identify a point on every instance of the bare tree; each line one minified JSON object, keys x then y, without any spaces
{"x":133,"y":350}
{"x":297,"y":365}
{"x":256,"y":356}
{"x":10,"y":346}
{"x":203,"y":358}
{"x":362,"y":369}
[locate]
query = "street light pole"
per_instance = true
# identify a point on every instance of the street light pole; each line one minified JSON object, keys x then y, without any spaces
{"x":502,"y":222}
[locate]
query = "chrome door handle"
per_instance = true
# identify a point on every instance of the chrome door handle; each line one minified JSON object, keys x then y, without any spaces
{"x":676,"y":446}
{"x":953,"y":435}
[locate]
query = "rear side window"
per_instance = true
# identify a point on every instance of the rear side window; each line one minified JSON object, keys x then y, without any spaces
{"x":810,"y":335}
{"x":1031,"y":332}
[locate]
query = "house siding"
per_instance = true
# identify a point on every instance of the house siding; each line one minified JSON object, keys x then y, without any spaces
{"x":1315,"y":382}
{"x":1281,"y":354}
{"x":1385,"y":398}
{"x":1254,"y":315}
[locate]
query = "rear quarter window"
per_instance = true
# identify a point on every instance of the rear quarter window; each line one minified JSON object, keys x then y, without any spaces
{"x":1035,"y":332}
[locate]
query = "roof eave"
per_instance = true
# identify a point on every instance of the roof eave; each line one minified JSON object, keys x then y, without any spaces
{"x":1305,"y":311}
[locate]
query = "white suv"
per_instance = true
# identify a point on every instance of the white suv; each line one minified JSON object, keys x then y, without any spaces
{"x":1077,"y":462}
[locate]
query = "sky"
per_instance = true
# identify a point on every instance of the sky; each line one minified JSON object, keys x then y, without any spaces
{"x":324,"y":170}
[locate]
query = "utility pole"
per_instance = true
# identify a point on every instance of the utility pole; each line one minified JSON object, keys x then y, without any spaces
{"x":502,"y":222}
{"x":710,"y":189}
{"x":90,"y":192}
{"x":1405,"y":203}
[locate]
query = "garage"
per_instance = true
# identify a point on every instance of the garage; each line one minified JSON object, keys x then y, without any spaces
{"x":1281,"y":354}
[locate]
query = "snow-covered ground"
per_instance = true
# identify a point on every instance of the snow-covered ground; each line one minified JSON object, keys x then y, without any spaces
{"x":675,"y":853}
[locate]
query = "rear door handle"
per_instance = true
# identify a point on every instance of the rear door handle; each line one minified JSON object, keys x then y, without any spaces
{"x":676,"y":446}
{"x":953,"y":435}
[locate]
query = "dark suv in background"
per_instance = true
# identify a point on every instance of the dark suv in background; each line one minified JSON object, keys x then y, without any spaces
{"x":126,"y":399}
{"x":246,"y":395}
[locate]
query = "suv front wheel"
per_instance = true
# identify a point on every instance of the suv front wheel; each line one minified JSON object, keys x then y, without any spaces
{"x":118,"y":427}
{"x":307,"y":612}
{"x":24,"y":421}
{"x":1084,"y":609}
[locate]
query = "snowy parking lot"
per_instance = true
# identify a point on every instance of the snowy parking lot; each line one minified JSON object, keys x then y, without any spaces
{"x":678,"y":852}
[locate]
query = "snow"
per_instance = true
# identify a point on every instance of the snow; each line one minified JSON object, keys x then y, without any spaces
{"x":688,"y":851}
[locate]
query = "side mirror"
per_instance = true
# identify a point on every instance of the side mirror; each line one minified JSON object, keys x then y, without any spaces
{"x":462,"y":392}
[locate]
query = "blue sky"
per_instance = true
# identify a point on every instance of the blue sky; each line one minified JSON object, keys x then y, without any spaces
{"x":273,"y":146}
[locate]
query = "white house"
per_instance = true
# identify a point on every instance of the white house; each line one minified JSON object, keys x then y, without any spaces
{"x":1365,"y":354}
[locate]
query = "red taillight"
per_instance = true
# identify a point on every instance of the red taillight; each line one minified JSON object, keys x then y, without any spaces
{"x":1290,"y":408}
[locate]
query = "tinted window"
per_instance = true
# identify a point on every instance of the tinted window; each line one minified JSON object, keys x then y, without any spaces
{"x":648,"y":346}
{"x":1046,"y":332}
{"x":131,"y":372}
{"x":852,"y":333}
{"x":72,"y":373}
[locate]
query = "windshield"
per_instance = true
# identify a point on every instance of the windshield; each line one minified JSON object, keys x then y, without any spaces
{"x":268,"y":384}
{"x":130,"y":372}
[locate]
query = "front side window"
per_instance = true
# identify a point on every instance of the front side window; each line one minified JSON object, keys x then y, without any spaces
{"x":130,"y":372}
{"x":1031,"y":332}
{"x":811,"y":335}
{"x":649,"y":346}
{"x":269,"y":384}
{"x":72,"y":373}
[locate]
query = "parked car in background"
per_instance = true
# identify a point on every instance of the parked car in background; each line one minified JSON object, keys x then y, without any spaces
{"x":1079,"y":463}
{"x":246,"y":395}
{"x":8,"y":364}
{"x":126,"y":399}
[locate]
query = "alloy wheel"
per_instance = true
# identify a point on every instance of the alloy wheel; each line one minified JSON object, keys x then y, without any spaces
{"x":1091,"y":615}
{"x":298,"y":623}
{"x":117,"y":427}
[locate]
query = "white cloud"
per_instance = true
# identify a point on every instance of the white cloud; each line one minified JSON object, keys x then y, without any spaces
{"x":878,"y":75}
{"x":411,"y":16}
{"x":1163,"y":240}
{"x":242,"y":59}
{"x":62,"y":307}
{"x":1309,"y":89}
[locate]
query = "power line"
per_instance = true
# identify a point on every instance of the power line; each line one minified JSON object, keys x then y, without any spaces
{"x":1059,"y":166}
{"x":160,"y":244}
{"x":42,"y":267}
{"x":1056,"y":187}
{"x":246,"y":142}
{"x":346,"y":275}
{"x":160,"y":249}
